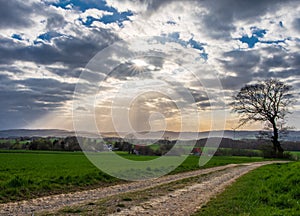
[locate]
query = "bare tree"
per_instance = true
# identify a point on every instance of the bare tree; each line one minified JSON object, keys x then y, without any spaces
{"x":268,"y":101}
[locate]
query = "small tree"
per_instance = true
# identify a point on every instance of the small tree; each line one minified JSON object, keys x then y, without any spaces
{"x":268,"y":101}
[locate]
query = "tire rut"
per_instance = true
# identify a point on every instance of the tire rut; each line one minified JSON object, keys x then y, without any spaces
{"x":56,"y":202}
{"x":188,"y":200}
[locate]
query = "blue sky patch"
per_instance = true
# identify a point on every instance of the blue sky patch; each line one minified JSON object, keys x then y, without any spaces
{"x":171,"y":23}
{"x":204,"y":56}
{"x":17,"y":37}
{"x":273,"y":42}
{"x":260,"y":33}
{"x":107,"y":19}
{"x":83,"y":5}
{"x":257,"y":33}
{"x":195,"y":44}
{"x":48,"y":36}
{"x":251,"y":41}
{"x":89,"y":21}
{"x":116,"y":17}
{"x":175,"y":37}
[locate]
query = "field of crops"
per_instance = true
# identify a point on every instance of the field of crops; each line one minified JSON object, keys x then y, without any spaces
{"x":269,"y":190}
{"x":27,"y":174}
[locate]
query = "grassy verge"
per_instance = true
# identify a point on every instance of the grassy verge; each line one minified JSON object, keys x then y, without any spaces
{"x":296,"y":154}
{"x":269,"y":190}
{"x":191,"y":163}
{"x":27,"y":174}
{"x":116,"y":203}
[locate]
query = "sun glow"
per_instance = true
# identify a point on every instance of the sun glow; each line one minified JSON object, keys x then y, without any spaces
{"x":139,"y":63}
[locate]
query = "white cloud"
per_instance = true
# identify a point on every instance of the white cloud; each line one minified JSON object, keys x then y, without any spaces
{"x":219,"y":31}
{"x":127,"y":5}
{"x":95,"y":13}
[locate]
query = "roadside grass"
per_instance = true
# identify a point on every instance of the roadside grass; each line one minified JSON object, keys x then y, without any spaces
{"x":115,"y":203}
{"x":269,"y":190}
{"x":29,"y":174}
{"x":296,"y":154}
{"x":192,"y":162}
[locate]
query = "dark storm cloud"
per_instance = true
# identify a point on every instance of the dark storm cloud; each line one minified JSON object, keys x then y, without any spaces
{"x":11,"y":69}
{"x":155,"y":61}
{"x":219,"y":21}
{"x":71,"y":51}
{"x":288,"y":73}
{"x":6,"y":85}
{"x":153,"y":5}
{"x":76,"y":52}
{"x":245,"y":61}
{"x":242,"y":64}
{"x":35,"y":92}
{"x":55,"y":21}
{"x":187,"y":96}
{"x":26,"y":100}
{"x":14,"y":14}
{"x":252,"y":65}
{"x":6,"y":45}
{"x":18,"y":109}
{"x":199,"y":96}
{"x":66,"y":72}
{"x":11,"y":51}
{"x":233,"y":82}
{"x":287,"y":62}
{"x":297,"y":24}
{"x":17,"y":13}
{"x":222,"y":14}
{"x":295,"y":59}
{"x":49,"y":86}
{"x":40,"y":96}
{"x":276,"y":61}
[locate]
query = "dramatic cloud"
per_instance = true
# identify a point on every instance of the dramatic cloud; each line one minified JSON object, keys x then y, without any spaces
{"x":45,"y":45}
{"x":12,"y":14}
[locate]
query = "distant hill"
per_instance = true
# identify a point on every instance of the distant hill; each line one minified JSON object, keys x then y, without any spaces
{"x":35,"y":133}
{"x":238,"y":135}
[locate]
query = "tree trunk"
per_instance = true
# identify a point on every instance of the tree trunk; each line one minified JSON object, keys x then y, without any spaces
{"x":276,"y":144}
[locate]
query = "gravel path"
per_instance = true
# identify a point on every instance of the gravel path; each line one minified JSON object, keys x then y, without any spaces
{"x":178,"y":201}
{"x":188,"y":200}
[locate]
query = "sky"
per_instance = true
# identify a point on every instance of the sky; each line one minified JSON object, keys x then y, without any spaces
{"x":144,"y":65}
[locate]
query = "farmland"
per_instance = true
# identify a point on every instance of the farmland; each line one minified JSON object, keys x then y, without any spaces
{"x":269,"y":190}
{"x":28,"y":174}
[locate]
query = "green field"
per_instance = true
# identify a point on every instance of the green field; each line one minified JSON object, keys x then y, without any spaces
{"x":296,"y":154}
{"x":269,"y":190}
{"x":28,"y":174}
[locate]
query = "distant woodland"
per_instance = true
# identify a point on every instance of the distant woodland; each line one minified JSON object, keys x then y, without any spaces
{"x":247,"y":147}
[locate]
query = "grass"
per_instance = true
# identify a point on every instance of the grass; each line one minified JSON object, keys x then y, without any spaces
{"x":269,"y":190}
{"x":111,"y":204}
{"x":28,"y":174}
{"x":191,"y":163}
{"x":296,"y":154}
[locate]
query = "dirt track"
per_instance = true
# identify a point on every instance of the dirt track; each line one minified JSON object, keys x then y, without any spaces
{"x":183,"y":201}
